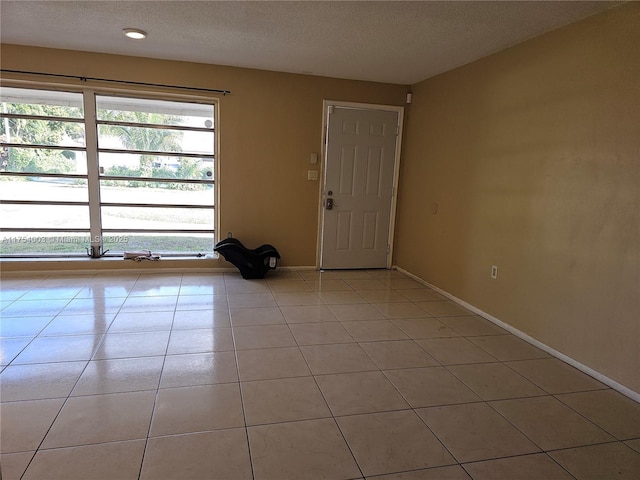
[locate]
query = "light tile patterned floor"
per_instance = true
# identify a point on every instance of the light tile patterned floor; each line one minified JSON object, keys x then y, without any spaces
{"x":303,"y":375}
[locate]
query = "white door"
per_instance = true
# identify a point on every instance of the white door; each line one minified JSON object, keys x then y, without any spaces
{"x":357,"y":196}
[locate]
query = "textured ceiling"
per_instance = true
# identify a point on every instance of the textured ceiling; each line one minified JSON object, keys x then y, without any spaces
{"x":384,"y":41}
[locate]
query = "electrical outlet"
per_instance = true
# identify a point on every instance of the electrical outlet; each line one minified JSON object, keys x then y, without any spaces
{"x":494,"y":271}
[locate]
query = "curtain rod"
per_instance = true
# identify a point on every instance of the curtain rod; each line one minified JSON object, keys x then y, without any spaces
{"x":125,"y":82}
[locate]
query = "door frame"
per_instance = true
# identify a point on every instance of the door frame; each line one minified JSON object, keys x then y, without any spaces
{"x":396,"y":168}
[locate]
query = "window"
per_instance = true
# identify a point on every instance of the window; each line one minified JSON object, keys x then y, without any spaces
{"x":85,"y":173}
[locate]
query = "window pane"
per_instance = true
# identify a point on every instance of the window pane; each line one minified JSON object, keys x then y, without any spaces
{"x":192,"y":243}
{"x":157,"y":218}
{"x":42,"y":132}
{"x":135,"y":191}
{"x":33,"y":243}
{"x":134,"y":165}
{"x":43,"y":160}
{"x":118,"y":191}
{"x":155,"y":139}
{"x":155,"y":112}
{"x":44,"y":216}
{"x":42,"y":188}
{"x":41,"y":102}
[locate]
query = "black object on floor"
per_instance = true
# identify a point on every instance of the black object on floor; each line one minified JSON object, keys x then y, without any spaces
{"x":251,"y":263}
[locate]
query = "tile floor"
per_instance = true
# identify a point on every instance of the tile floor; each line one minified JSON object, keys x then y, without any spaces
{"x":304,"y":375}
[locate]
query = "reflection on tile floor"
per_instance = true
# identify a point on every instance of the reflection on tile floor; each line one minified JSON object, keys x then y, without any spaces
{"x":304,"y":375}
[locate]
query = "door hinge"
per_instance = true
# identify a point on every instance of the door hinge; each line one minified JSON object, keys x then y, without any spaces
{"x":397,"y":130}
{"x":330,"y":109}
{"x":388,"y":249}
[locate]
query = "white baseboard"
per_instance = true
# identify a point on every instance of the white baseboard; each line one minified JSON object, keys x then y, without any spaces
{"x":299,"y":268}
{"x":520,"y":334}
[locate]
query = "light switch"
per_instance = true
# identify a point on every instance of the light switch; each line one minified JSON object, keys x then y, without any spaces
{"x":314,"y":158}
{"x":312,"y":175}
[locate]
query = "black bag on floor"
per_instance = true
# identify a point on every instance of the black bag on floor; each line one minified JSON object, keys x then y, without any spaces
{"x":251,"y":263}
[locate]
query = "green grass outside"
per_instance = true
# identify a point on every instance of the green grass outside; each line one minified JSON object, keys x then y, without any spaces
{"x":35,"y":245}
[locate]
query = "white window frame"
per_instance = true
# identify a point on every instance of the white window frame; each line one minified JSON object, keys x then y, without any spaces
{"x":91,"y":150}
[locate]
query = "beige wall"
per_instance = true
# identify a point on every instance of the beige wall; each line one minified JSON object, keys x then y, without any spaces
{"x":533,"y":158}
{"x":269,"y":126}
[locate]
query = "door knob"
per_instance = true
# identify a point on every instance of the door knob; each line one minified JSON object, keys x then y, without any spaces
{"x":329,"y":204}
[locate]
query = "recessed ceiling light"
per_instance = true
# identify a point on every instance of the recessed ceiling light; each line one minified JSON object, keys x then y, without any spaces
{"x":135,"y":33}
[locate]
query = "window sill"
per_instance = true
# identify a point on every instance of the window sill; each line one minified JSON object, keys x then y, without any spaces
{"x":26,"y":266}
